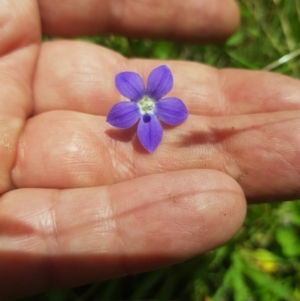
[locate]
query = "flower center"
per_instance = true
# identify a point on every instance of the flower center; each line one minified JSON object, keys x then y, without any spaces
{"x":146,"y":105}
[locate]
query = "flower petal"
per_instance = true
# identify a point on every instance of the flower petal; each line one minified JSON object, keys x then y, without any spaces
{"x":160,"y":82}
{"x":123,"y":114}
{"x":171,"y":110}
{"x":130,"y":85}
{"x":149,"y":132}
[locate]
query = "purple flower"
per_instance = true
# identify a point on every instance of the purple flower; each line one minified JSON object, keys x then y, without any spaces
{"x":146,"y":105}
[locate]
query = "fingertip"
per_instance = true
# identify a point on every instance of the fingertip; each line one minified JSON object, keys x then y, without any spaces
{"x":188,"y":212}
{"x":231,"y":206}
{"x":232,"y":18}
{"x":220,"y":207}
{"x":222,"y":20}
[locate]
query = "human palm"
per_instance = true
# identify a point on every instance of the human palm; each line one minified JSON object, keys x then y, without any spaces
{"x":82,"y":201}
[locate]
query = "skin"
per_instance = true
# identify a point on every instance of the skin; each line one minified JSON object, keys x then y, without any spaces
{"x":82,"y":201}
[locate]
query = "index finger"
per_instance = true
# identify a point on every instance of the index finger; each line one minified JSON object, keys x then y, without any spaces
{"x":189,"y":20}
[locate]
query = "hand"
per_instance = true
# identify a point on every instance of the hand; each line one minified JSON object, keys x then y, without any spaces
{"x":88,"y":203}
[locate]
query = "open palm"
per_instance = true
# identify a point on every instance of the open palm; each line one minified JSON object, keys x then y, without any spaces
{"x":82,"y":201}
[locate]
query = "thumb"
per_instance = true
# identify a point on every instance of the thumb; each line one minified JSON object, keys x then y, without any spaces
{"x":59,"y":238}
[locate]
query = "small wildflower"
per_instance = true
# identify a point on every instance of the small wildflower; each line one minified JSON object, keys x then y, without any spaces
{"x":146,"y":105}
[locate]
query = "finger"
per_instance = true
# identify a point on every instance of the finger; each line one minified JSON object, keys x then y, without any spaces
{"x":260,"y":151}
{"x":19,"y":26}
{"x":57,"y":238}
{"x":19,"y":36}
{"x":79,"y":76}
{"x":190,"y":20}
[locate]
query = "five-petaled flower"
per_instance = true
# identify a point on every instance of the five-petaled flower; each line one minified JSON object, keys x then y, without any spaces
{"x":146,"y":105}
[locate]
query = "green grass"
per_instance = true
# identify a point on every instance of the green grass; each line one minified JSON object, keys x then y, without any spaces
{"x":262,"y":262}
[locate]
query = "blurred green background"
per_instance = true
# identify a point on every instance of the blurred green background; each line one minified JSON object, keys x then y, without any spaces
{"x":262,"y":262}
